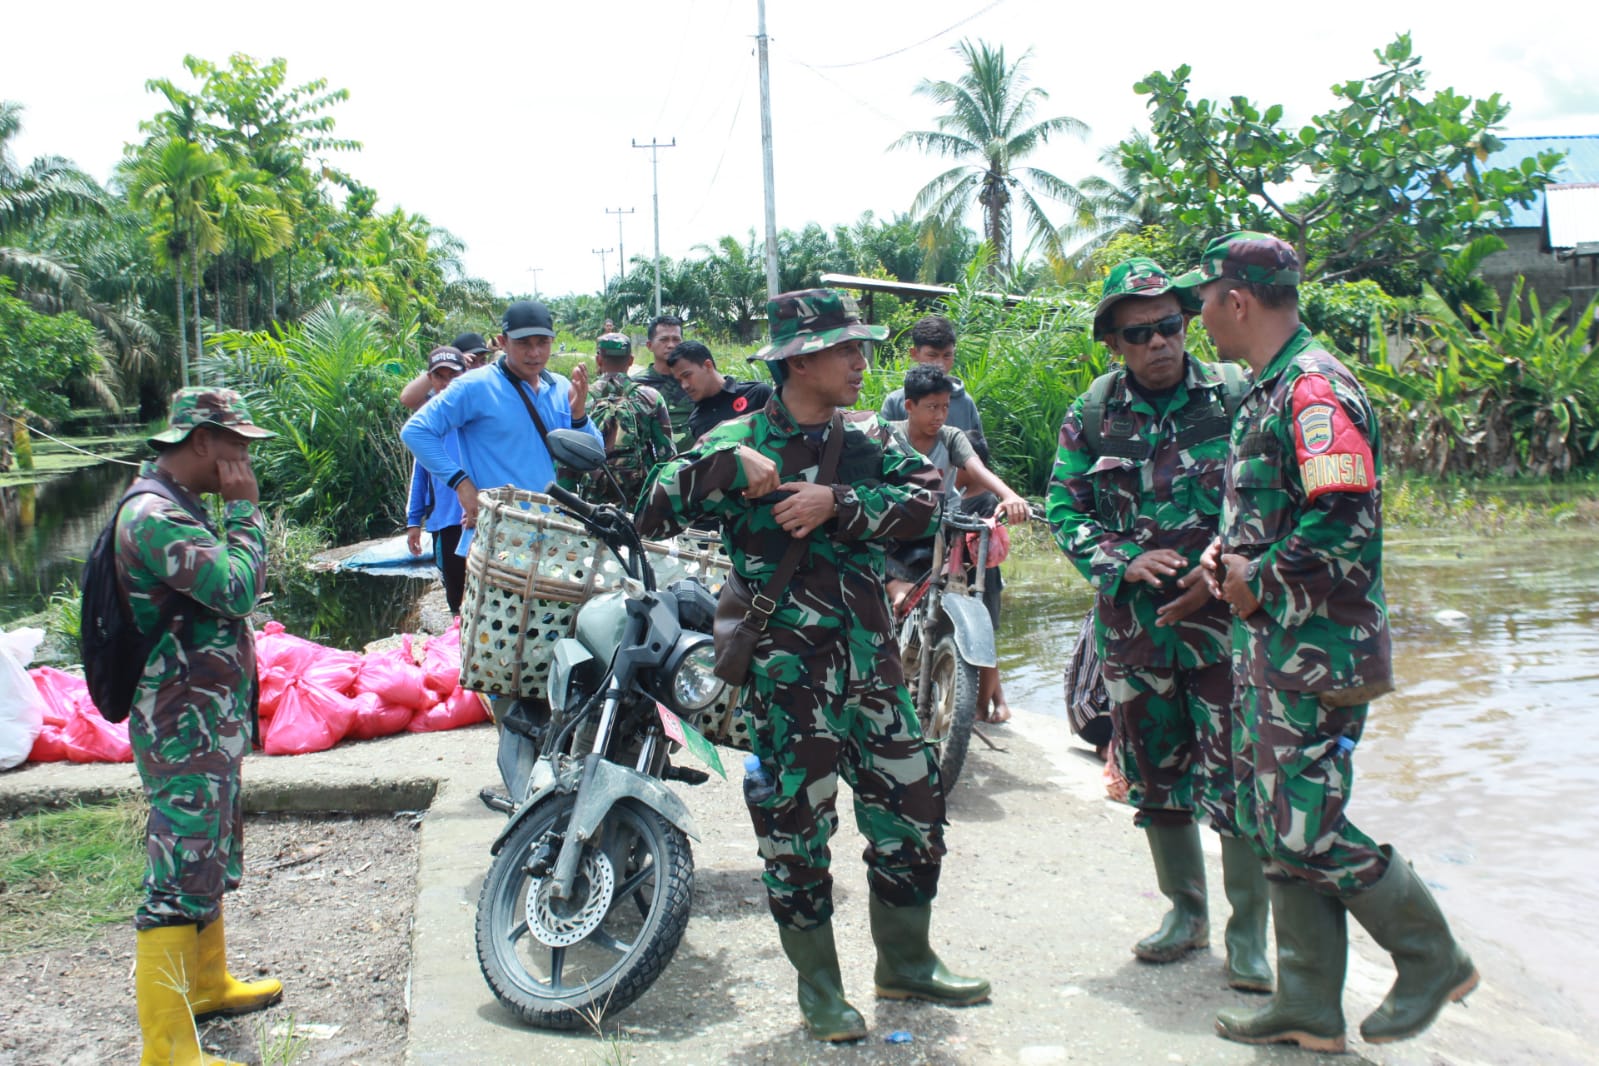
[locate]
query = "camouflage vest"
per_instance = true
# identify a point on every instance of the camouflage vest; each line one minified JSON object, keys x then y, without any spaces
{"x":1111,"y":430}
{"x":622,"y":411}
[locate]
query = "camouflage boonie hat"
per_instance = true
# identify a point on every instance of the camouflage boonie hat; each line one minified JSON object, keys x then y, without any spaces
{"x":205,"y":405}
{"x":812,"y":319}
{"x":613,"y":344}
{"x":1245,"y":256}
{"x":1138,"y":276}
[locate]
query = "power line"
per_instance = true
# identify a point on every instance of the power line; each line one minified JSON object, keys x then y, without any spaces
{"x":726,"y":143}
{"x":918,"y":44}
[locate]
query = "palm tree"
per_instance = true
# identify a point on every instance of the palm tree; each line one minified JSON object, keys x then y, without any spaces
{"x":172,"y":178}
{"x":1127,"y":201}
{"x":990,"y":121}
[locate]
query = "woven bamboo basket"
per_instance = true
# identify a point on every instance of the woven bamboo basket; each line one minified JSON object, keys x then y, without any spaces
{"x":528,"y":571}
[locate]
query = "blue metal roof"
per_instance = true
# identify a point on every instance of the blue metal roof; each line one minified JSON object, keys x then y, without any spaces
{"x":1581,"y":164}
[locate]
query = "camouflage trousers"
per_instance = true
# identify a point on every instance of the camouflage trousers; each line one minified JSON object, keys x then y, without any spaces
{"x":189,"y":758}
{"x":1174,"y":742}
{"x":1293,"y":758}
{"x":807,"y":737}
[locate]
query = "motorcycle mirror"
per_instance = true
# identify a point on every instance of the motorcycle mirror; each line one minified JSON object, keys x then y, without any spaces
{"x":581,"y":452}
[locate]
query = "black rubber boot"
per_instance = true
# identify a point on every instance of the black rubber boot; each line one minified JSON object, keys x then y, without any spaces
{"x":907,"y":967}
{"x":828,"y":1015}
{"x":1245,"y":879}
{"x":1401,"y":915}
{"x":1180,"y":873}
{"x":1312,"y":955}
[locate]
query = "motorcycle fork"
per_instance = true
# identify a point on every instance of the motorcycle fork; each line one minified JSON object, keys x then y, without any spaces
{"x":929,"y":608}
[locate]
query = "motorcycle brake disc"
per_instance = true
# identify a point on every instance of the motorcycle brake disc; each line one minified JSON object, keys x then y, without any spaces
{"x":555,"y":922}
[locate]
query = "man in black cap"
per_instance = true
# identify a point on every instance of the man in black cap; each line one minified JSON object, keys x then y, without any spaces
{"x":717,"y":397}
{"x":499,"y":415}
{"x":474,"y":352}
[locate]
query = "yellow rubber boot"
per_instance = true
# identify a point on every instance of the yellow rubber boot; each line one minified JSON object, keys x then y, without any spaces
{"x":218,"y":993}
{"x":167,"y":958}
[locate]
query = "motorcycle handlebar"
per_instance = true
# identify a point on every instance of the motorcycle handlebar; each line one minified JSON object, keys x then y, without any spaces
{"x":570,"y":500}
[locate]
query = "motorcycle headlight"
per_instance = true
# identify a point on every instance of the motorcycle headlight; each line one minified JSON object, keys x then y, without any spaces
{"x":693,"y":680}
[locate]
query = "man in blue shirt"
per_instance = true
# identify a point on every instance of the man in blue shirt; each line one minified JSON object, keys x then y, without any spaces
{"x":499,"y":414}
{"x":433,"y":503}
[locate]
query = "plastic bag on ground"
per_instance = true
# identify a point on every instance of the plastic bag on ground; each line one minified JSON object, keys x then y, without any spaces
{"x":441,"y":660}
{"x":63,"y":694}
{"x":21,"y":707}
{"x":308,"y":718}
{"x":462,"y":708}
{"x":88,"y":737}
{"x":377,"y":717}
{"x":395,"y":676}
{"x":298,"y":658}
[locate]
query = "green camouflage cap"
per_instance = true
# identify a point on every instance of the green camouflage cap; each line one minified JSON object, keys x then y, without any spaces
{"x":812,"y":319}
{"x":1138,"y":276}
{"x":1246,"y":256}
{"x":613,"y":344}
{"x":206,"y":405}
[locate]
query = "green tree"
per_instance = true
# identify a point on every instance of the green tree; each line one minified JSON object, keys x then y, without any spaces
{"x":735,"y":276}
{"x":1389,"y":176}
{"x":990,"y":121}
{"x":37,"y":353}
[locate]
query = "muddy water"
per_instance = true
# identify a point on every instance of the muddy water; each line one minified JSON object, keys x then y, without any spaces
{"x":1481,"y":767}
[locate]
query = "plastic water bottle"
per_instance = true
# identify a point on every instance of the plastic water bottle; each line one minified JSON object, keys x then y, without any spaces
{"x":758,"y":784}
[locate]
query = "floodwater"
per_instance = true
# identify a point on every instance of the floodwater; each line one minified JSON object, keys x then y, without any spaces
{"x":1480,"y":767}
{"x":345,"y":610}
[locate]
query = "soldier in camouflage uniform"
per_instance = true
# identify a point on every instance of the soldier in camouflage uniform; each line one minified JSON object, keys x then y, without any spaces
{"x":193,"y":711}
{"x":1299,"y":560}
{"x":826,"y":692}
{"x":664,"y":335}
{"x":1134,"y":501}
{"x":632,"y":418}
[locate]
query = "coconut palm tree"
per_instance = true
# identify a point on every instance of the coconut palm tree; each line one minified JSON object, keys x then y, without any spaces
{"x":989,"y":121}
{"x":172,"y":178}
{"x":1124,"y":202}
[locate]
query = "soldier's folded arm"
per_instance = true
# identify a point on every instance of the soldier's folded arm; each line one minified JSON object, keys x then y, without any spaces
{"x":223,"y":575}
{"x":705,"y":482}
{"x":903,"y":506}
{"x":1099,"y":554}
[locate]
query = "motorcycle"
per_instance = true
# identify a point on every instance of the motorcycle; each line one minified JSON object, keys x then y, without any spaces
{"x":591,"y":883}
{"x":945,"y":634}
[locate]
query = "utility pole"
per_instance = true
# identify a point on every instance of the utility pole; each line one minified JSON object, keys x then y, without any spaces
{"x":605,"y":282}
{"x":766,"y":152}
{"x":655,"y":179}
{"x":621,"y":249}
{"x":535,"y":272}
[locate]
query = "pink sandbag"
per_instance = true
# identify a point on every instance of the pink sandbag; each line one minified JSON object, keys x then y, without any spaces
{"x":462,"y":708}
{"x":49,"y":746}
{"x":395,"y":676}
{"x":88,"y":737}
{"x":62,"y":692}
{"x":308,"y":718}
{"x":296,"y":657}
{"x":377,"y":717}
{"x":441,"y":660}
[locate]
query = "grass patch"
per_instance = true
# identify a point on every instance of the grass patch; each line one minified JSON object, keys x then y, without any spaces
{"x":64,"y":874}
{"x":1483,"y":507}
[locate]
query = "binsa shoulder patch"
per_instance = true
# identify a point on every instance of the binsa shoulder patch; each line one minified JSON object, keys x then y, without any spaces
{"x":1333,"y":454}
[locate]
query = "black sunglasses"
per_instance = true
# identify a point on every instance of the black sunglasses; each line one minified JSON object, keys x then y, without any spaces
{"x":1169,"y":326}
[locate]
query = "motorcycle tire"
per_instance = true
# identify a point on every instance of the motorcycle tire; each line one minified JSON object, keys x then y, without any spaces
{"x":574,"y":986}
{"x":950,"y":709}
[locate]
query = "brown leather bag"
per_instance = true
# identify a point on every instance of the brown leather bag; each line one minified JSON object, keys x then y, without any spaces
{"x":741,"y":614}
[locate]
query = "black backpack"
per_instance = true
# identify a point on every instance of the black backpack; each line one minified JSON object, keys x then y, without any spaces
{"x":114,"y":652}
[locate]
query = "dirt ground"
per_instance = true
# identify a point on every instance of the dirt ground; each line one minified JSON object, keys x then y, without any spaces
{"x":326,"y":906}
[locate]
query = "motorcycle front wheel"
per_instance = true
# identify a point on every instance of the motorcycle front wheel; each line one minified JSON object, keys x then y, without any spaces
{"x":947,"y":714}
{"x":565,"y":964}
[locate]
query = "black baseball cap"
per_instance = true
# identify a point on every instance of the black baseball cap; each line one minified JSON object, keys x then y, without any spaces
{"x":471,"y":344}
{"x":446,"y":356}
{"x":527,"y":318}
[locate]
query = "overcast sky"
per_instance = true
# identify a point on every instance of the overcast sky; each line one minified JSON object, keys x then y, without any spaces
{"x":510,"y":125}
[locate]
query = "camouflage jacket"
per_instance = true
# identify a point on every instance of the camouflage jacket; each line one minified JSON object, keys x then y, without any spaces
{"x":832,"y":622}
{"x":1303,"y":500}
{"x":1153,"y":481}
{"x":633,"y":420}
{"x":678,"y":405}
{"x":201,"y":670}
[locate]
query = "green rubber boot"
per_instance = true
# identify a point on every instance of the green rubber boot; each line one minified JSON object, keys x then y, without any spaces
{"x":828,"y":1015}
{"x":1245,"y":880}
{"x":1312,"y":955}
{"x":1180,"y":873}
{"x":1401,"y":915}
{"x":908,"y":968}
